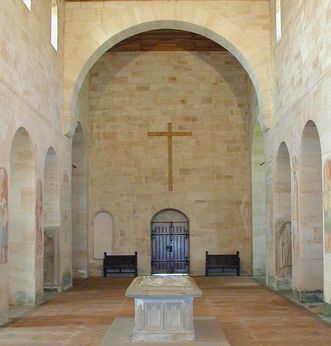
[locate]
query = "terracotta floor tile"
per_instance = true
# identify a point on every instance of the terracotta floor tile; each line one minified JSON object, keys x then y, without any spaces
{"x":250,"y":315}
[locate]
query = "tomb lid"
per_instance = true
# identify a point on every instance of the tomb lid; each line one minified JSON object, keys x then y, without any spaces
{"x":163,"y":286}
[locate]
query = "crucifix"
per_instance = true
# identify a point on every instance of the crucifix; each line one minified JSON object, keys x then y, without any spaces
{"x":170,"y":134}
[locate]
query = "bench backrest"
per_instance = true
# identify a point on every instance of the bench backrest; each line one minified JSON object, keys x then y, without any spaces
{"x":223,"y":260}
{"x":120,"y":260}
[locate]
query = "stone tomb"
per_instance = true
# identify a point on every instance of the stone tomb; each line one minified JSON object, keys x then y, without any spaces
{"x":163,"y":307}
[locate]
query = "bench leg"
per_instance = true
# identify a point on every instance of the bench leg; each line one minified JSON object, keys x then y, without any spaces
{"x":238,"y":271}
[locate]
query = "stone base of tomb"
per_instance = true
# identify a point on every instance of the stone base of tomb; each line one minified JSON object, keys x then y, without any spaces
{"x":207,"y":333}
{"x":163,"y":319}
{"x":163,"y":307}
{"x":161,"y":337}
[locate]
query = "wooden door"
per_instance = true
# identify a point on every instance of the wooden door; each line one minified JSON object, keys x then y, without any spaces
{"x":170,"y":247}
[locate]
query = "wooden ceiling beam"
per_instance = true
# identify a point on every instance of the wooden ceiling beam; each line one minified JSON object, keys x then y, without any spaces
{"x":166,"y":40}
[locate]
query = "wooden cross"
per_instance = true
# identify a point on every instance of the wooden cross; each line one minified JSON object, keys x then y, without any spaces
{"x":170,"y":134}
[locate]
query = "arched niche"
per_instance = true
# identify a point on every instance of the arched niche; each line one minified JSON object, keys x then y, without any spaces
{"x":170,"y":242}
{"x":283,"y":219}
{"x":258,"y":202}
{"x":22,"y":221}
{"x":51,"y":220}
{"x":309,"y":273}
{"x":79,"y":205}
{"x":103,"y":234}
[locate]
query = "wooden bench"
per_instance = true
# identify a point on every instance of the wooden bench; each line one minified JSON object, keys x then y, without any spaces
{"x":120,"y":265}
{"x":222,"y":264}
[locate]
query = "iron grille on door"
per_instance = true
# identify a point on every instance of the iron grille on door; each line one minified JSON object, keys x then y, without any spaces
{"x":170,"y":247}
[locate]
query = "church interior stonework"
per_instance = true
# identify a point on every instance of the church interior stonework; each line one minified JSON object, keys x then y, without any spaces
{"x":165,"y":138}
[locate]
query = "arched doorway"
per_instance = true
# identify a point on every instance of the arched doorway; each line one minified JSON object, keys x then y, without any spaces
{"x":309,"y":245}
{"x":51,"y":221}
{"x":283,"y":223}
{"x":24,"y":246}
{"x":79,"y":206}
{"x":170,"y":242}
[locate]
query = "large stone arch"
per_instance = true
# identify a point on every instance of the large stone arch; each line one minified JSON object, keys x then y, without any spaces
{"x":114,"y":26}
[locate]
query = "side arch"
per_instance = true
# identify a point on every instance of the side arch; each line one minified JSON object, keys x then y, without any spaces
{"x":51,"y":209}
{"x":23,"y":243}
{"x":283,"y":219}
{"x":308,"y":274}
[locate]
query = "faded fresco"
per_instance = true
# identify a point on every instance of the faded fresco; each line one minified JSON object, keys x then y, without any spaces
{"x":39,"y":219}
{"x":3,"y":216}
{"x":49,"y":255}
{"x":327,"y":205}
{"x":284,"y":249}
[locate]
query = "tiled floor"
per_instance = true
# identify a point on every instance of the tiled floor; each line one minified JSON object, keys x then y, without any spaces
{"x":249,"y":314}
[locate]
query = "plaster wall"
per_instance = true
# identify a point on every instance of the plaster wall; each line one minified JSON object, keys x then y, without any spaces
{"x":206,"y":93}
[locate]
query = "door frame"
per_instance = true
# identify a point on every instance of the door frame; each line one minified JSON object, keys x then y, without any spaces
{"x":179,"y":212}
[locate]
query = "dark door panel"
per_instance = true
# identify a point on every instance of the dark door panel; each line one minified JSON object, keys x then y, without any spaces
{"x":170,"y":247}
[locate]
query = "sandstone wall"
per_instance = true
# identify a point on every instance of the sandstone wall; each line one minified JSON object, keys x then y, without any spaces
{"x":301,"y":87}
{"x":240,"y":26}
{"x":206,"y":93}
{"x":31,"y":94}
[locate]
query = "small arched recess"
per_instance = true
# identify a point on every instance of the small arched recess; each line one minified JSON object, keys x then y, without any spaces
{"x":103,"y":234}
